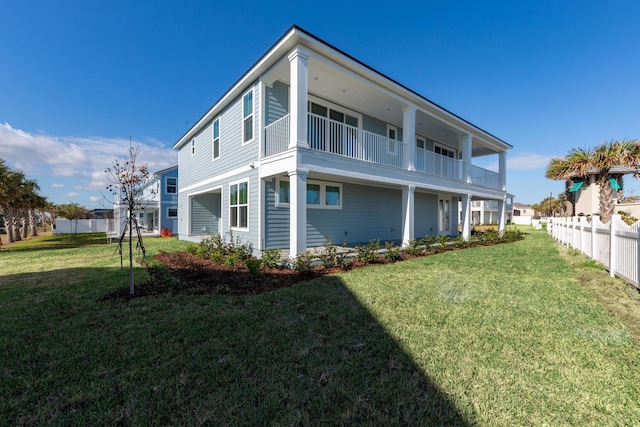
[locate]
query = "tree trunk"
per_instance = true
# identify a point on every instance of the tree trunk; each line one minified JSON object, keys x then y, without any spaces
{"x":8,"y":224}
{"x":607,"y":204}
{"x":25,"y":225}
{"x":33,"y":223}
{"x":15,"y":225}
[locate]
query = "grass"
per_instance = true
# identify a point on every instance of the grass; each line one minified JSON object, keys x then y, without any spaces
{"x":497,"y":335}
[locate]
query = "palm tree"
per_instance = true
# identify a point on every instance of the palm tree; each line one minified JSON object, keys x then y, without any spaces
{"x":600,"y":161}
{"x":73,"y":212}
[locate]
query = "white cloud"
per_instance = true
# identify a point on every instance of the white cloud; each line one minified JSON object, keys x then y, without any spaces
{"x":527,"y":161}
{"x":95,"y":198}
{"x":77,"y":162}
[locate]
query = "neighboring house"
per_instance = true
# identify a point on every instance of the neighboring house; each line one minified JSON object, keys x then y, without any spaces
{"x":522,"y":214}
{"x":587,"y":195}
{"x":311,"y":144}
{"x":159,"y":207}
{"x":487,"y":211}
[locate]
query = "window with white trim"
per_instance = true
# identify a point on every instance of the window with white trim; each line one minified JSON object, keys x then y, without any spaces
{"x":239,"y":205}
{"x":247,"y":117}
{"x":444,"y":151}
{"x":320,"y":195}
{"x":193,"y":146}
{"x":215,"y":143}
{"x":172,"y":185}
{"x":172,"y":212}
{"x":392,"y":137}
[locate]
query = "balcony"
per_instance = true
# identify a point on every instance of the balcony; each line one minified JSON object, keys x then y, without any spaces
{"x":340,"y":139}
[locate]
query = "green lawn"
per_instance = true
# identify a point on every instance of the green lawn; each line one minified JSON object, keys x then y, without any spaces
{"x":497,"y":335}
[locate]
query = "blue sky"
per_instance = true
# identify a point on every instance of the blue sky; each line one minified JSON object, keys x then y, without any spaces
{"x":79,"y":79}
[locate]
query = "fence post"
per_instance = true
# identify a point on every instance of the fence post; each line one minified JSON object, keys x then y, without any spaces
{"x":594,"y":238}
{"x":613,"y":245}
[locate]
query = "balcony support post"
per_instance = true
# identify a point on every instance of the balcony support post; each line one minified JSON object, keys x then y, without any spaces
{"x":409,"y":136}
{"x":408,"y":214}
{"x":466,"y":158}
{"x":502,"y":170}
{"x":297,"y":212}
{"x":502,"y":212}
{"x":466,"y":216}
{"x":298,"y":67}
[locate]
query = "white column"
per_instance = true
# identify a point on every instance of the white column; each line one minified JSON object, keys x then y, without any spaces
{"x":298,"y":68}
{"x":502,"y":169}
{"x":502,"y":212}
{"x":613,"y":248}
{"x":409,"y":135}
{"x":297,"y":212}
{"x":466,"y":158}
{"x":408,"y":214}
{"x":466,"y":216}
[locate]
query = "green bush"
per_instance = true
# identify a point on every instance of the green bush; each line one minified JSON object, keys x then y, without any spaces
{"x":231,"y":261}
{"x":254,"y":267}
{"x":271,"y":258}
{"x":391,"y":252}
{"x":414,"y":248}
{"x":303,"y":263}
{"x":331,"y":257}
{"x":367,"y":254}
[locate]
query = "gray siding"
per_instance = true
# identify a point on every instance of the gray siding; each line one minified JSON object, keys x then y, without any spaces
{"x":367,"y":213}
{"x":205,"y":214}
{"x":233,"y":154}
{"x":426,"y":215}
{"x":276,"y":225}
{"x":276,"y":102}
{"x":371,"y":124}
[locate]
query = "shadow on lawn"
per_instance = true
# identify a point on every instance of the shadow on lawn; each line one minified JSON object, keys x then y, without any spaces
{"x":304,"y":355}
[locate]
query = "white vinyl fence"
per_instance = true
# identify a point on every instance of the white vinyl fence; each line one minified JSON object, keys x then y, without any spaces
{"x":614,"y":245}
{"x":65,"y":226}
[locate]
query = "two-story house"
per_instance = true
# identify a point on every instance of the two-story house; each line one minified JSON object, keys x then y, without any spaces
{"x":311,"y":144}
{"x":158,"y":204}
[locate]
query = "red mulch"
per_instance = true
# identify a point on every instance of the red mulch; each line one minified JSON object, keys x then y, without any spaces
{"x":196,"y":275}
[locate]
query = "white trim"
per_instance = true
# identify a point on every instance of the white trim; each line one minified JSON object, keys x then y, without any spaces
{"x":213,"y":139}
{"x":222,"y":177}
{"x":171,"y":207}
{"x":333,"y":106}
{"x":166,"y":185}
{"x":243,"y":180}
{"x":395,"y":140}
{"x":323,"y":194}
{"x":252,"y":116}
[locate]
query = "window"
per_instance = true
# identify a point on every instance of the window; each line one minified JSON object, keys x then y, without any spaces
{"x":332,"y":195}
{"x":313,"y":194}
{"x":392,"y":135}
{"x":320,"y":195}
{"x":283,"y":192}
{"x":172,"y":212}
{"x":172,"y":185}
{"x":447,"y":152}
{"x":239,"y":205}
{"x":193,"y":146}
{"x":215,"y":144}
{"x":247,"y":117}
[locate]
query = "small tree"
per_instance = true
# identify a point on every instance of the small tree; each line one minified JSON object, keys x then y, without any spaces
{"x":127,"y":182}
{"x":73,"y":212}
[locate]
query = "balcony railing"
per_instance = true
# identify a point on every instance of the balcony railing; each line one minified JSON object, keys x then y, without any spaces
{"x":338,"y":138}
{"x":437,"y":164}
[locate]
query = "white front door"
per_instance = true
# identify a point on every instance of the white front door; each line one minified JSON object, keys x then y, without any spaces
{"x":444,"y":216}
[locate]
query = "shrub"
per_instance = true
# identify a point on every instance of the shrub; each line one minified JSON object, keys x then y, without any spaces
{"x":254,"y":267}
{"x":428,"y":242}
{"x":330,"y":256}
{"x":391,"y":252}
{"x":303,"y":263}
{"x":367,"y":254}
{"x":271,"y":258}
{"x":217,"y":256}
{"x":441,"y":241}
{"x":192,"y":249}
{"x":414,"y":248}
{"x":231,"y":261}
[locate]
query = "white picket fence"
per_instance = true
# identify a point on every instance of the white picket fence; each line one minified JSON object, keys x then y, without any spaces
{"x":614,"y":245}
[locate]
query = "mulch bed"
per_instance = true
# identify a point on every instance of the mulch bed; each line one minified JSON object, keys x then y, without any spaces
{"x":196,"y":275}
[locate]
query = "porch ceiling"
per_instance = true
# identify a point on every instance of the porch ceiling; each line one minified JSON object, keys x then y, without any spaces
{"x":353,"y":91}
